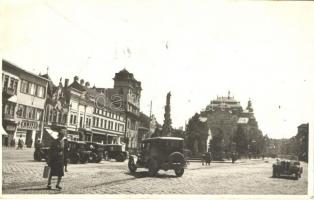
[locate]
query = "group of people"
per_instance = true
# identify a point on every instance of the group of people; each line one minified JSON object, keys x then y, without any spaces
{"x":57,"y":159}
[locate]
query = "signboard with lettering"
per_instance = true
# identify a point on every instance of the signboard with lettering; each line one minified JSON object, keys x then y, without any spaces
{"x":29,"y":125}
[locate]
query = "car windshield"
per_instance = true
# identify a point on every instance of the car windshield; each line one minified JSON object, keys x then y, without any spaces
{"x":288,"y":157}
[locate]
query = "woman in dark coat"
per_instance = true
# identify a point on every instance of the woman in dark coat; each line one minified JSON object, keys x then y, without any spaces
{"x":56,"y":160}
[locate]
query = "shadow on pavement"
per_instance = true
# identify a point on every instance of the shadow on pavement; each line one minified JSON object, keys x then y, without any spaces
{"x":285,"y":177}
{"x":145,"y":174}
{"x":41,"y":188}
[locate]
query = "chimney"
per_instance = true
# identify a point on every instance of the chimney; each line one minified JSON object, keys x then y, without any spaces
{"x":87,"y":84}
{"x":82,"y":82}
{"x":66,"y":83}
{"x":76,"y":78}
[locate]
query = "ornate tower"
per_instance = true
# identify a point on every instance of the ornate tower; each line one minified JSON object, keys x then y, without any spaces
{"x":130,"y":91}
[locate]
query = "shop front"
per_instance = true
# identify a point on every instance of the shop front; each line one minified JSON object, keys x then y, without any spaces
{"x":8,"y":130}
{"x":28,"y":131}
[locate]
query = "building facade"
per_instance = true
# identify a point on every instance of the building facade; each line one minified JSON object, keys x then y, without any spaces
{"x":232,"y":128}
{"x":129,"y":89}
{"x":24,"y":97}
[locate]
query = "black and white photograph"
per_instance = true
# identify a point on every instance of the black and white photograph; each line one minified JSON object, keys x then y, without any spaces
{"x":111,"y":99}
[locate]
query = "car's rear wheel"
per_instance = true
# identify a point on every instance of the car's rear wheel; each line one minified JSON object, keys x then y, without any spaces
{"x":75,"y":158}
{"x":119,"y":158}
{"x":132,"y":165}
{"x":179,"y":171}
{"x":84,"y":158}
{"x":152,"y":167}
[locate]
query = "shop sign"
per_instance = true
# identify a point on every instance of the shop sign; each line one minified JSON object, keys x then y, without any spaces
{"x":29,"y":125}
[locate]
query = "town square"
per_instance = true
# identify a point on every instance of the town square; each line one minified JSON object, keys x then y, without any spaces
{"x":157,"y":98}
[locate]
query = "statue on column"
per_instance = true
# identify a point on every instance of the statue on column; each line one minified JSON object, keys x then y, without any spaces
{"x":166,"y":128}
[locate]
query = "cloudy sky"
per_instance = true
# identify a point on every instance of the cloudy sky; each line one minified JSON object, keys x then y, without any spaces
{"x":198,"y":50}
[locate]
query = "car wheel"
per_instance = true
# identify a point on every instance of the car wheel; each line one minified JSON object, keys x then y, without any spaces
{"x":98,"y":158}
{"x":179,"y":172}
{"x":274,"y":173}
{"x":132,"y":165}
{"x":37,"y":156}
{"x":152,"y":167}
{"x":119,"y":158}
{"x":75,"y":158}
{"x":84,"y":158}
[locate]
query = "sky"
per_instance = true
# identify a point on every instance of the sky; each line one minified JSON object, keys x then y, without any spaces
{"x":198,"y":50}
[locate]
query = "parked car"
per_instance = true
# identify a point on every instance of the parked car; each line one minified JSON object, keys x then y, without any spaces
{"x":40,"y":153}
{"x":78,"y":152}
{"x":287,"y":165}
{"x":97,"y":151}
{"x":157,"y":153}
{"x":115,"y":151}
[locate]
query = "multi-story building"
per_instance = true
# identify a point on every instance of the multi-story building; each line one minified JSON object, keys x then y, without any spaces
{"x":24,"y":96}
{"x":130,"y":89}
{"x":83,"y":111}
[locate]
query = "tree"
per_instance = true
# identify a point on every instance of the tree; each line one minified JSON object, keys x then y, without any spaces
{"x":196,"y":135}
{"x":241,"y":140}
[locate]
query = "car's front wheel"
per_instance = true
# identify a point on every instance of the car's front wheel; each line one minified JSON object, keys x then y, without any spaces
{"x":132,"y":165}
{"x":37,"y":156}
{"x":179,"y":171}
{"x":274,"y":173}
{"x":152,"y":167}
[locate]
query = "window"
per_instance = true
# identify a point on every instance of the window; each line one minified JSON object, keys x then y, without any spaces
{"x":97,"y":122}
{"x":71,"y":119}
{"x":24,"y":86}
{"x":105,"y":126}
{"x":74,"y":119}
{"x":94,"y":121}
{"x":40,"y":91}
{"x":115,"y":126}
{"x":32,"y":88}
{"x":39,"y":114}
{"x":101,"y":123}
{"x":81,"y":121}
{"x":6,"y":81}
{"x":15,"y":86}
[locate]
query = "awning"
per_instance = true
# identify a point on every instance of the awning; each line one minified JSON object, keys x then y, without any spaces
{"x":13,"y":99}
{"x":3,"y":132}
{"x":52,"y":133}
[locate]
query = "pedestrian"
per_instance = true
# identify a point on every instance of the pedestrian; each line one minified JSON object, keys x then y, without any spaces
{"x":20,"y":143}
{"x":56,"y":160}
{"x":66,"y":154}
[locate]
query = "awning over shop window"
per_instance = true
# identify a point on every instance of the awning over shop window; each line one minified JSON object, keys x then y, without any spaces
{"x":13,"y":99}
{"x":3,"y":132}
{"x":52,"y":133}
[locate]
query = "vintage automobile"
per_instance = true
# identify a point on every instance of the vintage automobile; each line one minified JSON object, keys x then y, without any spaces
{"x":97,"y":151}
{"x":78,"y":152}
{"x":115,"y":151}
{"x":157,"y":153}
{"x":287,"y":165}
{"x":40,"y":153}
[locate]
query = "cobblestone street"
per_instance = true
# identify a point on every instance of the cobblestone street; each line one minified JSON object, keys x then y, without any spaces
{"x":22,"y":175}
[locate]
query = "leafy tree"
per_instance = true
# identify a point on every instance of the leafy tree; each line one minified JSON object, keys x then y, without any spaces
{"x":196,"y":135}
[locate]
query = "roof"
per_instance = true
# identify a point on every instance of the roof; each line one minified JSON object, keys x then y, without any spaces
{"x":162,"y":138}
{"x":11,"y":65}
